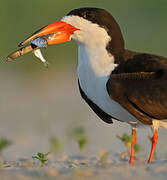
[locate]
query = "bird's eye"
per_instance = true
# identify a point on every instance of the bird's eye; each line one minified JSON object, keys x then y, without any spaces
{"x":87,"y":15}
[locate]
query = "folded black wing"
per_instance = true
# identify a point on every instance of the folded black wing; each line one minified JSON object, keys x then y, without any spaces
{"x":140,"y":86}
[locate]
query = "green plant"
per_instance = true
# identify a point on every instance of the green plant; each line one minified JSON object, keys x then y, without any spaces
{"x":82,"y":142}
{"x":127,"y":140}
{"x":136,"y":147}
{"x":103,"y":156}
{"x":79,"y":135}
{"x":4,"y":143}
{"x":41,"y":157}
{"x":55,"y":145}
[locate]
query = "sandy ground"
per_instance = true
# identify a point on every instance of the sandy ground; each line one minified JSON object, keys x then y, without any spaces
{"x":34,"y":108}
{"x":83,"y":168}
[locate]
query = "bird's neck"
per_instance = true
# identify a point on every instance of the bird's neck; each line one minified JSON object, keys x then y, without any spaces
{"x":95,"y":61}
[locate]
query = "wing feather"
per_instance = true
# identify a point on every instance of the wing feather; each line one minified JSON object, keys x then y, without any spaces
{"x":140,"y":86}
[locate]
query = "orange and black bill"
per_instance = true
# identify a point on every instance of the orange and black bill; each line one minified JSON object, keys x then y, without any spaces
{"x":20,"y":52}
{"x":57,"y":32}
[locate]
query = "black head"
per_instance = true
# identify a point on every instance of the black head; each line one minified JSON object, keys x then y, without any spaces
{"x":106,"y":21}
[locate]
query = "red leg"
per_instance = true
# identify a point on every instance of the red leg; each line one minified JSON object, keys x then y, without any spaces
{"x":154,"y":143}
{"x":134,"y":142}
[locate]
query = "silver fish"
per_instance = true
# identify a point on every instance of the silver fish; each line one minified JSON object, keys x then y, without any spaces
{"x":38,"y":54}
{"x":34,"y":47}
{"x":40,"y":42}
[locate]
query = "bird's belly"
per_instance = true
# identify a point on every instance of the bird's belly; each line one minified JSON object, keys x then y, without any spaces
{"x":95,"y":89}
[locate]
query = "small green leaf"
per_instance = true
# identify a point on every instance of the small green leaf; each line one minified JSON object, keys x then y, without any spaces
{"x":79,"y":135}
{"x":77,"y":132}
{"x":55,"y":144}
{"x":41,"y":157}
{"x":82,"y":143}
{"x":127,"y":140}
{"x":103,"y":156}
{"x":4,"y":143}
{"x":136,"y":148}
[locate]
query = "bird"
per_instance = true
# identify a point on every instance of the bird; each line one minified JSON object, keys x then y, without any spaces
{"x":114,"y":81}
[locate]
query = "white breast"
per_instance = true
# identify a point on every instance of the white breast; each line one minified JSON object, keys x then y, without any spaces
{"x":94,"y":68}
{"x":95,"y":65}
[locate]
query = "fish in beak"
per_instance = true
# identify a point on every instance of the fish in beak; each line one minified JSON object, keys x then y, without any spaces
{"x":54,"y":33}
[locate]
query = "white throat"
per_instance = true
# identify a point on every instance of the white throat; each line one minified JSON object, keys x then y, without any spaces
{"x":95,"y":60}
{"x":94,"y":68}
{"x":92,"y":41}
{"x":95,"y":65}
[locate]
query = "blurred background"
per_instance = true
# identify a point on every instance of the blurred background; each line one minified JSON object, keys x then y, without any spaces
{"x":37,"y":103}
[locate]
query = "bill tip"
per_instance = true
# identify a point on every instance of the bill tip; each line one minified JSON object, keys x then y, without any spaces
{"x":8,"y":58}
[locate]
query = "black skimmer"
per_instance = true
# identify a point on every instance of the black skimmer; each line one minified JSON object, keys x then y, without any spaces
{"x":115,"y":82}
